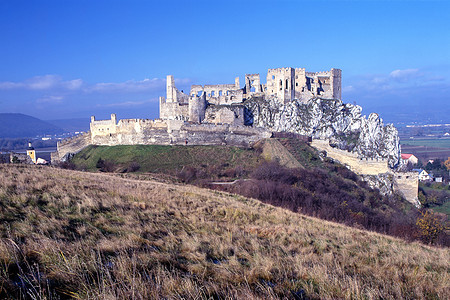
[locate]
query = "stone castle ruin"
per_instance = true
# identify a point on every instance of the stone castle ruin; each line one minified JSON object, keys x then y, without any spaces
{"x":292,"y":100}
{"x":223,"y":103}
{"x":209,"y":114}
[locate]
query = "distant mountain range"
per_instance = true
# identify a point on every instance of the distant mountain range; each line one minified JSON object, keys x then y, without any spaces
{"x":15,"y":125}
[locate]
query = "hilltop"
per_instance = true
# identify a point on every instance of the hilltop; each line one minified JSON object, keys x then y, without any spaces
{"x":91,"y":235}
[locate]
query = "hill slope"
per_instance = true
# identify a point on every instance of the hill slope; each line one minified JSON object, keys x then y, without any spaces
{"x":19,"y":125}
{"x":73,"y":234}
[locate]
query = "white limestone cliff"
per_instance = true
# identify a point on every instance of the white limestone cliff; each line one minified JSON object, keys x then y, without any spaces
{"x":342,"y":123}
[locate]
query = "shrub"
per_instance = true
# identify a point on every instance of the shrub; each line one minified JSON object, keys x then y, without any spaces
{"x":105,"y":165}
{"x":133,"y":167}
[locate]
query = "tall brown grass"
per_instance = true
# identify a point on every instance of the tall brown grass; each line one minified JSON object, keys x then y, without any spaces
{"x":69,"y":234}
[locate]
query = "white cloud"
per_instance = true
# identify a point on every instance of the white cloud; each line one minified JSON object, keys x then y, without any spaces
{"x":50,"y":99}
{"x":52,"y":83}
{"x":45,"y":82}
{"x":128,"y":103}
{"x":348,"y":88}
{"x":130,"y":86}
{"x":73,"y":84}
{"x":405,"y":74}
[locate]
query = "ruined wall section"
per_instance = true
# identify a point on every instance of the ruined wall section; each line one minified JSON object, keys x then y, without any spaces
{"x":252,"y":85}
{"x":103,"y":127}
{"x":407,"y":183}
{"x":225,"y":114}
{"x":133,"y":132}
{"x":375,"y":172}
{"x":219,"y":94}
{"x":222,"y":134}
{"x":71,"y":145}
{"x":367,"y":166}
{"x":176,"y":104}
{"x":280,"y":83}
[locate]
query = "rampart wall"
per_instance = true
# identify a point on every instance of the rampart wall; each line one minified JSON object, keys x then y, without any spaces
{"x":356,"y":164}
{"x":406,"y":183}
{"x":71,"y":145}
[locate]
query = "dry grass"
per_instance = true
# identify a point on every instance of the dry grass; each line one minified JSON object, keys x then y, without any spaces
{"x":70,"y":234}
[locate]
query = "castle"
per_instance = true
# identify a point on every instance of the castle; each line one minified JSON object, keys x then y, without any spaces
{"x":223,"y":103}
{"x":209,"y":114}
{"x":217,"y":115}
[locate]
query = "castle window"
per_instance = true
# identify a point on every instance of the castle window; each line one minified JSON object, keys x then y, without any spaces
{"x":296,"y":84}
{"x":286,"y":87}
{"x":228,"y":92}
{"x":220,"y":93}
{"x":199,"y":93}
{"x":213,"y":93}
{"x":273,"y":76}
{"x":281,"y":84}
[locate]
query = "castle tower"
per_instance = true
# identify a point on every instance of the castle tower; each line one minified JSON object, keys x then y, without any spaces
{"x":281,"y":82}
{"x":31,"y":152}
{"x":171,"y":94}
{"x":336,"y":82}
{"x":197,"y":108}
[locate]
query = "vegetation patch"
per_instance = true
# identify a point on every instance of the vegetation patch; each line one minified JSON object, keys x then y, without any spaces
{"x":71,"y":234}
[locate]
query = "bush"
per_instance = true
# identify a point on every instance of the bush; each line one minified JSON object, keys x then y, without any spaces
{"x":105,"y":165}
{"x":133,"y":167}
{"x":327,"y":195}
{"x":187,"y":174}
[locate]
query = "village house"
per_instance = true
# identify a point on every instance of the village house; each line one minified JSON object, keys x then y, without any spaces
{"x":423,"y":175}
{"x":409,"y":158}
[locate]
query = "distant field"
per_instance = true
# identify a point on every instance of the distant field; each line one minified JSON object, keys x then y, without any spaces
{"x":435,"y":143}
{"x":426,"y":149}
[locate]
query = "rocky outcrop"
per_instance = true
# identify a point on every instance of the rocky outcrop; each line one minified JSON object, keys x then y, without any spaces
{"x":341,"y":123}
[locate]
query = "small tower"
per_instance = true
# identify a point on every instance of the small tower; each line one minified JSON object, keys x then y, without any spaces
{"x":31,"y":152}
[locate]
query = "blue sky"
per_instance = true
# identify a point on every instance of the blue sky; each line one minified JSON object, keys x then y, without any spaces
{"x":71,"y":59}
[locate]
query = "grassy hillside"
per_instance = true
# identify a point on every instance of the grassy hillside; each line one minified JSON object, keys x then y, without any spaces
{"x":322,"y":189}
{"x":167,"y":159}
{"x":90,"y":235}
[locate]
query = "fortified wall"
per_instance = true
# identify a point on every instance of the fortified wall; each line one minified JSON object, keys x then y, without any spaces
{"x":357,"y":164}
{"x":406,"y":183}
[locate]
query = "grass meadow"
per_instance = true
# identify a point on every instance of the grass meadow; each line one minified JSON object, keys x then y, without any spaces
{"x":75,"y":235}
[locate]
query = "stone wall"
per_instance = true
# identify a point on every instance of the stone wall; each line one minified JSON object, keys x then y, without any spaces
{"x":225,"y":114}
{"x":407,"y":183}
{"x":71,"y":145}
{"x":289,"y":83}
{"x":356,"y":164}
{"x":375,"y":172}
